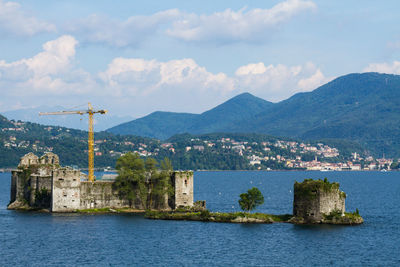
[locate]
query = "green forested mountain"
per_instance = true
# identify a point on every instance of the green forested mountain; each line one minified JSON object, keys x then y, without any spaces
{"x":163,"y":125}
{"x":359,"y":107}
{"x":354,"y":113}
{"x":239,"y":108}
{"x":356,"y":107}
{"x":158,"y":124}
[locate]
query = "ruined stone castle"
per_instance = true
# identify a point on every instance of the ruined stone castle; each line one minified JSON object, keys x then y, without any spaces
{"x":43,"y":183}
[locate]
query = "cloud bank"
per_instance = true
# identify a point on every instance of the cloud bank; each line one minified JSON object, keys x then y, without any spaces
{"x":390,"y":68}
{"x":230,"y":26}
{"x":117,"y":33}
{"x":15,"y":21}
{"x":137,"y":86}
{"x":50,"y":72}
{"x":227,"y":26}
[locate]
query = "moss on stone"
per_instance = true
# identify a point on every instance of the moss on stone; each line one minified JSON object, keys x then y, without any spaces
{"x":228,"y":217}
{"x":347,"y":218}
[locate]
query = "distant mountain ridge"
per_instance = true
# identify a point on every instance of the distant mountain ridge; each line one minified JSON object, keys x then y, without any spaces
{"x":5,"y":123}
{"x":359,"y":107}
{"x":222,"y":117}
{"x":74,"y":122}
{"x":162,"y":125}
{"x":159,"y":124}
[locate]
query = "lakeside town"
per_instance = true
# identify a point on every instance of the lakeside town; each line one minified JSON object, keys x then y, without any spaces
{"x":291,"y":156}
{"x":253,"y":152}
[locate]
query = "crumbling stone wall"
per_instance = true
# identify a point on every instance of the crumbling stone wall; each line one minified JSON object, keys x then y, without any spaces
{"x":65,"y":190}
{"x":28,"y":160}
{"x":24,"y":187}
{"x":49,"y":158}
{"x":32,"y":178}
{"x":315,"y":198}
{"x":100,"y":194}
{"x":37,"y":184}
{"x":17,"y":187}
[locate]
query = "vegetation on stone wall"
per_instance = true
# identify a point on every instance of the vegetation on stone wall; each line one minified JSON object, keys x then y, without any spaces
{"x":143,"y":180}
{"x":309,"y":188}
{"x":337,"y":217}
{"x":42,"y":198}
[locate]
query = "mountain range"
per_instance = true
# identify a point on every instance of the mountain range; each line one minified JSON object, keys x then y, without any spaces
{"x":162,"y":125}
{"x":358,"y":107}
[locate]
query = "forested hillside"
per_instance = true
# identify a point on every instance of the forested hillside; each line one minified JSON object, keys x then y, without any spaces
{"x":162,"y":125}
{"x":219,"y":151}
{"x":363,"y":108}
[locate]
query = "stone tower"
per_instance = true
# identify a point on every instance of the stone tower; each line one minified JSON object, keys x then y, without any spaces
{"x":182,"y":182}
{"x":315,"y":198}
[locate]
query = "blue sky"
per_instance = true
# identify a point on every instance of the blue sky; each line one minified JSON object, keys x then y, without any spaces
{"x":136,"y":57}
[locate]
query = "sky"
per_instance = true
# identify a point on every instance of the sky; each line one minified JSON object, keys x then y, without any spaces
{"x":137,"y":57}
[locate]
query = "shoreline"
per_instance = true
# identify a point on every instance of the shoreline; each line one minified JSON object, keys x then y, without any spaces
{"x":215,"y":217}
{"x":257,"y":218}
{"x":323,"y":171}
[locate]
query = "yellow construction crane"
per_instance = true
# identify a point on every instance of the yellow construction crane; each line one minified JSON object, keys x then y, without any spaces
{"x":89,"y":111}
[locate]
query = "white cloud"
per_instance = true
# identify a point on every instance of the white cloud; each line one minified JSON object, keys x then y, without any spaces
{"x":136,"y":86}
{"x":176,"y":85}
{"x":50,"y":71}
{"x":390,"y":68}
{"x":55,"y":58}
{"x":276,"y":83}
{"x":242,"y":25}
{"x":113,"y":32}
{"x":14,"y":21}
{"x":130,"y":75}
{"x":221,"y":27}
{"x":183,"y":85}
{"x":257,"y":68}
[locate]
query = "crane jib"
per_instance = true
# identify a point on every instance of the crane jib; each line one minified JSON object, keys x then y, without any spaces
{"x":91,"y":112}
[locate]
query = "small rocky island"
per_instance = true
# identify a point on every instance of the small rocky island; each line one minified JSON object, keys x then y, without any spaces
{"x":315,"y":202}
{"x":42,"y":184}
{"x":319,"y":201}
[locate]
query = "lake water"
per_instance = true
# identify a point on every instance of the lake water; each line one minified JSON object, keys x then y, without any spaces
{"x":35,"y":239}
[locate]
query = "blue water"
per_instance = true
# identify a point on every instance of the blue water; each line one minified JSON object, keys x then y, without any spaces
{"x":34,"y":239}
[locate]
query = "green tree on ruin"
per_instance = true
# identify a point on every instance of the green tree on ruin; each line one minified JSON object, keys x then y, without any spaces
{"x":146,"y":180}
{"x":250,"y":200}
{"x":131,"y":179}
{"x":160,"y":182}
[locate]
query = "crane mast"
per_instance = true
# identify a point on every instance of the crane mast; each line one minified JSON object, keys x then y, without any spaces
{"x":90,"y":111}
